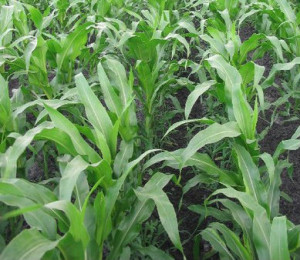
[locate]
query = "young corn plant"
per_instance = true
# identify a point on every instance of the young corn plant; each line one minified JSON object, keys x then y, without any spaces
{"x":256,"y":217}
{"x":107,"y":171}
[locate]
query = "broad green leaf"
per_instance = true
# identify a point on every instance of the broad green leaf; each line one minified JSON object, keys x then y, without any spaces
{"x":286,"y":145}
{"x":206,"y":164}
{"x":6,"y":21}
{"x":236,"y":102}
{"x":28,"y":52}
{"x":250,"y":173}
{"x":96,"y":113}
{"x":181,"y":39}
{"x":23,"y":188}
{"x":180,"y":123}
{"x":199,"y":178}
{"x":29,"y":244}
{"x":35,"y":218}
{"x":274,"y":41}
{"x":72,"y":45}
{"x":71,"y":249}
{"x":296,"y":134}
{"x":195,"y":94}
{"x":211,"y":134}
{"x":35,"y":16}
{"x":232,"y":241}
{"x":5,"y":104}
{"x":77,"y":228}
{"x":217,"y":46}
{"x":13,"y":153}
{"x":122,"y":157}
{"x":249,"y":45}
{"x":217,"y":243}
{"x":64,"y":124}
{"x":154,"y":252}
{"x":279,"y":67}
{"x":279,"y":249}
{"x":118,"y":79}
{"x":70,"y":176}
{"x":130,"y":226}
{"x":111,"y":98}
{"x":244,"y":198}
{"x":153,"y":190}
{"x":240,"y":216}
{"x":62,"y":140}
{"x":261,"y":235}
{"x":287,"y":10}
{"x":113,"y":191}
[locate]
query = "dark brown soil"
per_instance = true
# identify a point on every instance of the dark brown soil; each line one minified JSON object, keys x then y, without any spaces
{"x":277,"y":133}
{"x":13,"y":84}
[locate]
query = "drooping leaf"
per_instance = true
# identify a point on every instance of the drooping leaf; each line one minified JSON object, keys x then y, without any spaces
{"x":211,"y":134}
{"x":29,"y":244}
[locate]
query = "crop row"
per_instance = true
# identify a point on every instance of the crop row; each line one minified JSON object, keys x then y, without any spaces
{"x":84,"y":87}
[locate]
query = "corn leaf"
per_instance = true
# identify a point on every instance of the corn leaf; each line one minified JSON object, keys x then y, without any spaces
{"x":29,"y":244}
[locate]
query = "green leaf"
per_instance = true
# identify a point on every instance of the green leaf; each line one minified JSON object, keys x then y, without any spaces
{"x":287,"y":10}
{"x":72,"y":45}
{"x":211,"y":134}
{"x":249,"y":45}
{"x":77,"y":228}
{"x":118,"y":78}
{"x":130,"y":226}
{"x":240,"y":216}
{"x":236,"y":102}
{"x":28,"y":52}
{"x":180,"y":123}
{"x":279,"y":67}
{"x":113,"y":191}
{"x":279,"y":249}
{"x":217,"y":243}
{"x":250,"y":173}
{"x":153,"y":190}
{"x":5,"y":104}
{"x":96,"y":113}
{"x":181,"y":39}
{"x":64,"y":124}
{"x":242,"y":111}
{"x":154,"y":252}
{"x":70,"y":176}
{"x":261,"y":235}
{"x":29,"y":244}
{"x":123,"y":156}
{"x":232,"y":241}
{"x":62,"y":140}
{"x":13,"y":153}
{"x":111,"y":98}
{"x":195,"y":94}
{"x":35,"y":16}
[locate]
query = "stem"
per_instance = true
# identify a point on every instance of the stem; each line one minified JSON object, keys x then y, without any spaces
{"x":149,"y":131}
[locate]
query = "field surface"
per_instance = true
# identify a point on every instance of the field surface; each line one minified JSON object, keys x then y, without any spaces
{"x":149,"y":129}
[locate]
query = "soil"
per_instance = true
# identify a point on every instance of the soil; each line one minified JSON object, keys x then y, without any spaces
{"x":290,"y":186}
{"x":13,"y":84}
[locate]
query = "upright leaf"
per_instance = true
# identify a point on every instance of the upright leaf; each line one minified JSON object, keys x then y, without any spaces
{"x":96,"y":113}
{"x":279,"y":249}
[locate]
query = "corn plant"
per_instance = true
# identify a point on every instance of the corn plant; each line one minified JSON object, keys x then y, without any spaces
{"x":256,"y":219}
{"x":85,"y":70}
{"x":100,"y":173}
